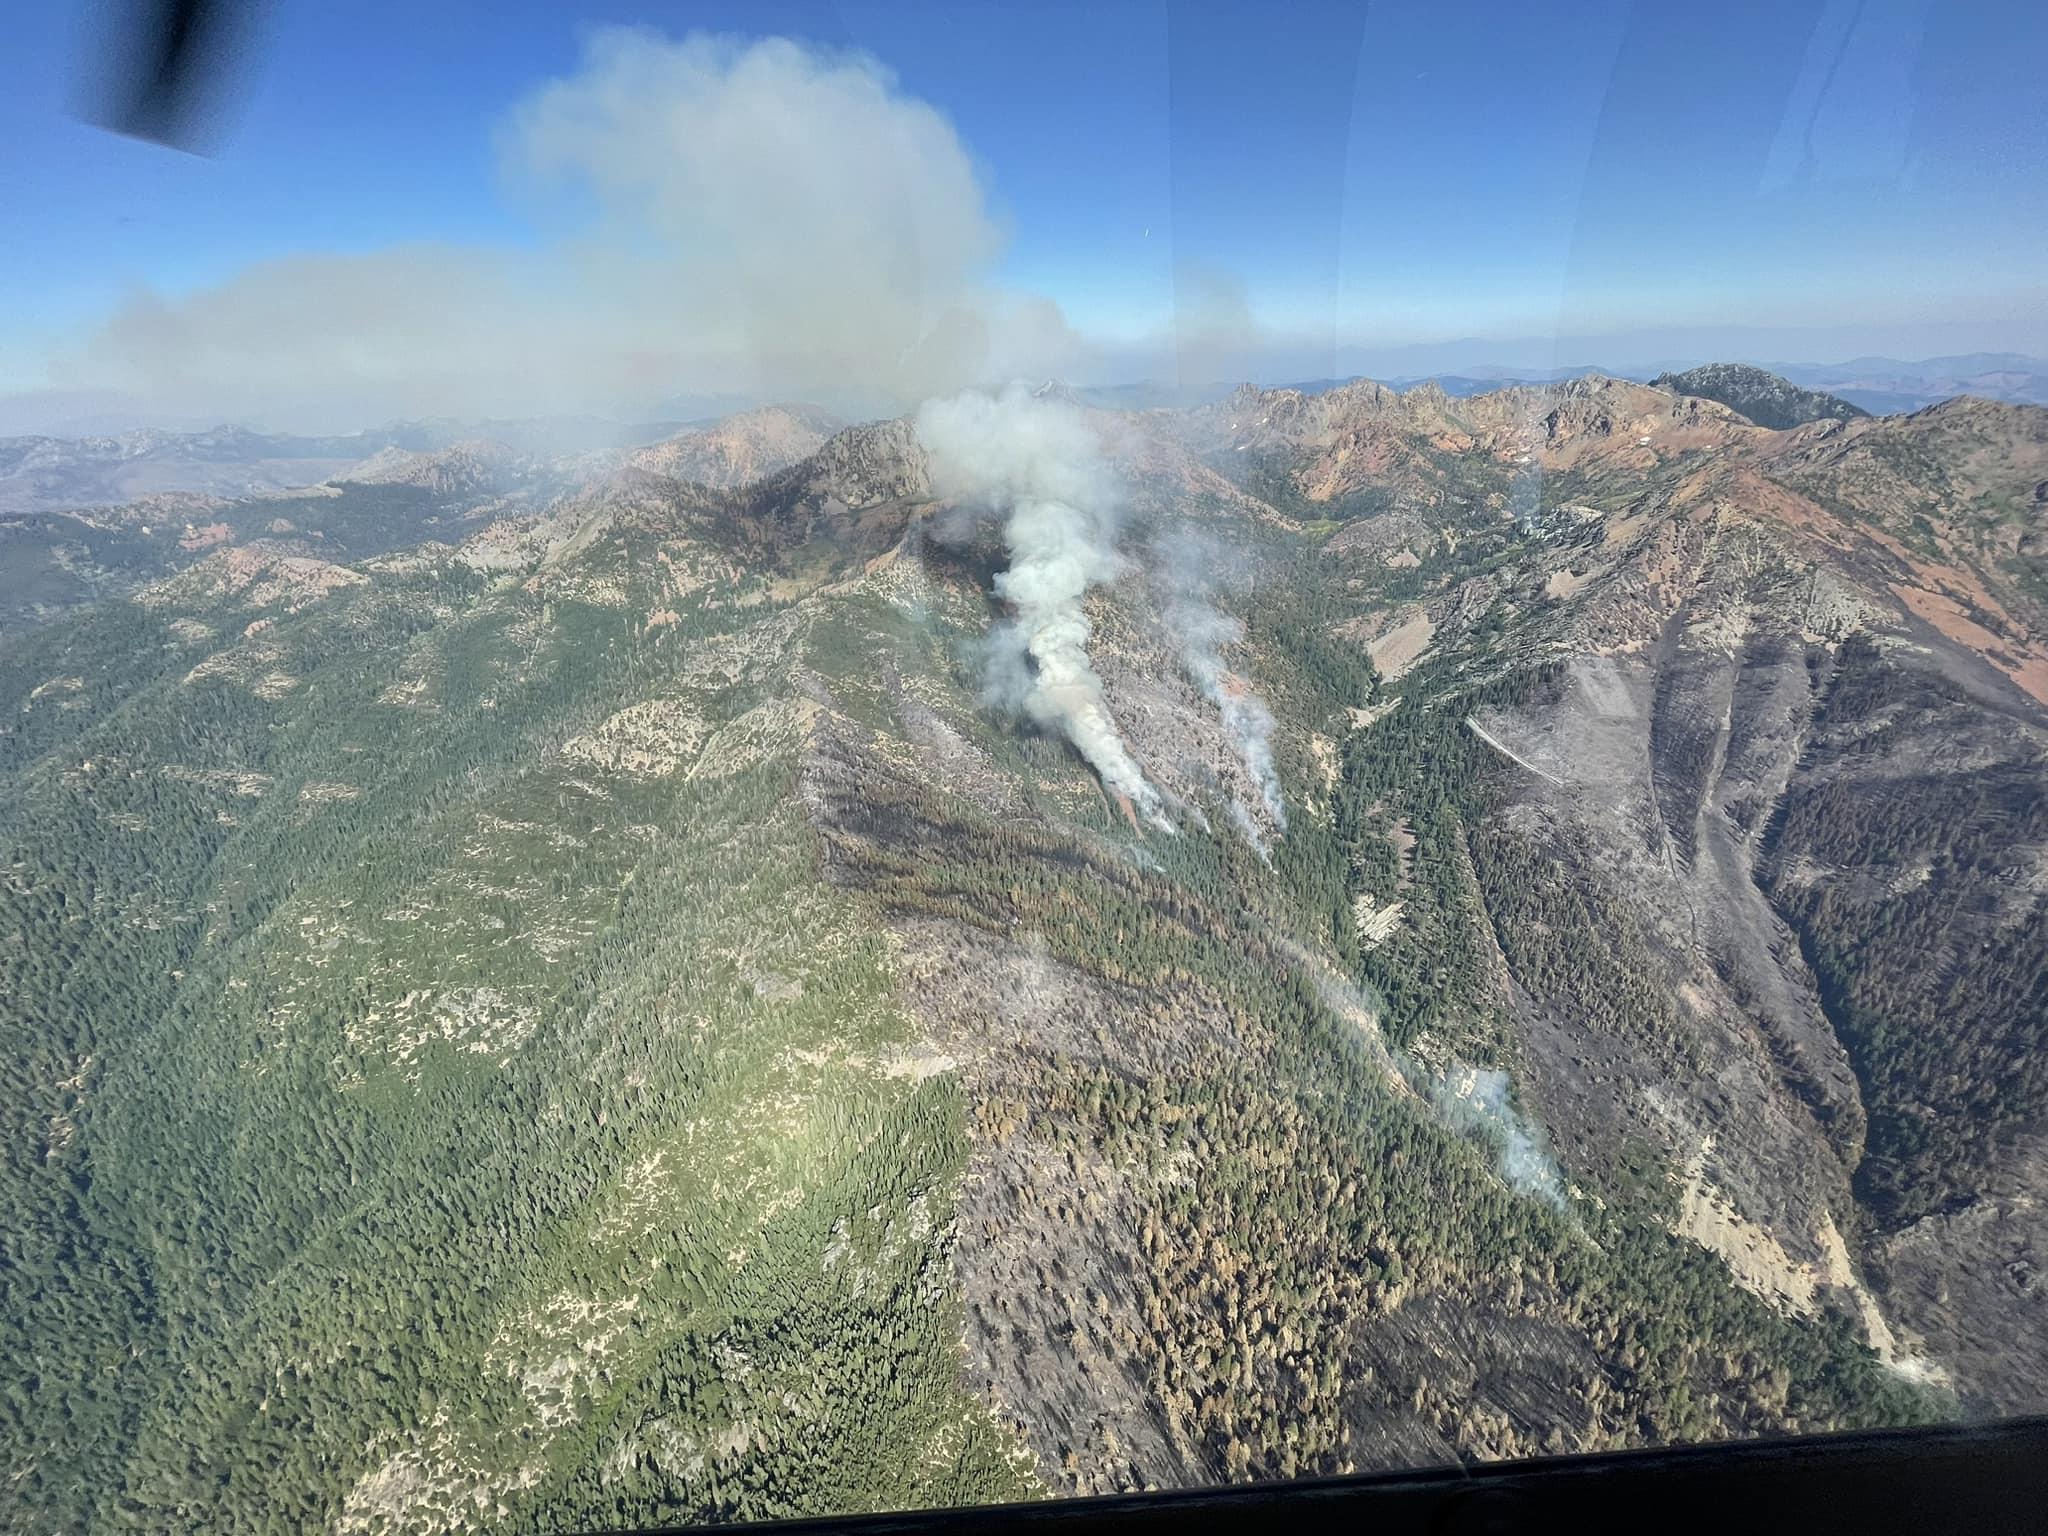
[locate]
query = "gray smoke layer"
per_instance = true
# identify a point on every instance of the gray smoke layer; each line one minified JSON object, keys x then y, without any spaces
{"x":711,"y":217}
{"x":1201,"y":633}
{"x":1036,"y":464}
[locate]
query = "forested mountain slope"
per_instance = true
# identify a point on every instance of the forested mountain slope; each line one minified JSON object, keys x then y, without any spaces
{"x":582,"y":1012}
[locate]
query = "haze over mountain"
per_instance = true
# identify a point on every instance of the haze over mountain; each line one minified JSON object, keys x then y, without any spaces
{"x":57,"y":473}
{"x":1884,"y":385}
{"x":538,"y":994}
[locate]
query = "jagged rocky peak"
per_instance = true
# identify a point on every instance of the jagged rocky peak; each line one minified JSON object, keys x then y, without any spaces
{"x":741,"y":449}
{"x":1252,"y":415}
{"x":476,"y":465}
{"x":1760,"y":396}
{"x":1060,"y":390}
{"x":876,"y":461}
{"x":1595,"y":406}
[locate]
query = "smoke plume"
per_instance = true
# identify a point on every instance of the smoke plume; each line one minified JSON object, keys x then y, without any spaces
{"x":711,"y":218}
{"x":1035,"y":463}
{"x":1472,"y":1101}
{"x":1475,"y":1100}
{"x":1201,"y":633}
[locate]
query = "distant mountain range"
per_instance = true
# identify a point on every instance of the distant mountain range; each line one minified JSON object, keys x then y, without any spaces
{"x":47,"y":473}
{"x":44,"y":473}
{"x":1883,"y":386}
{"x":137,"y":470}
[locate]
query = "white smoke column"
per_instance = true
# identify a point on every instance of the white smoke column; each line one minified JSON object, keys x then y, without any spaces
{"x":1201,"y":633}
{"x":1475,"y":1100}
{"x":1035,"y":463}
{"x":1472,"y":1101}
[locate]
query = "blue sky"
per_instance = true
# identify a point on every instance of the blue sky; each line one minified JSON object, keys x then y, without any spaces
{"x":1279,"y":189}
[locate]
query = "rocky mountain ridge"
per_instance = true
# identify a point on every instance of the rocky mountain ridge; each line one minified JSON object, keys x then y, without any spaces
{"x":1762,"y":397}
{"x":767,"y":1057}
{"x":743,"y":448}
